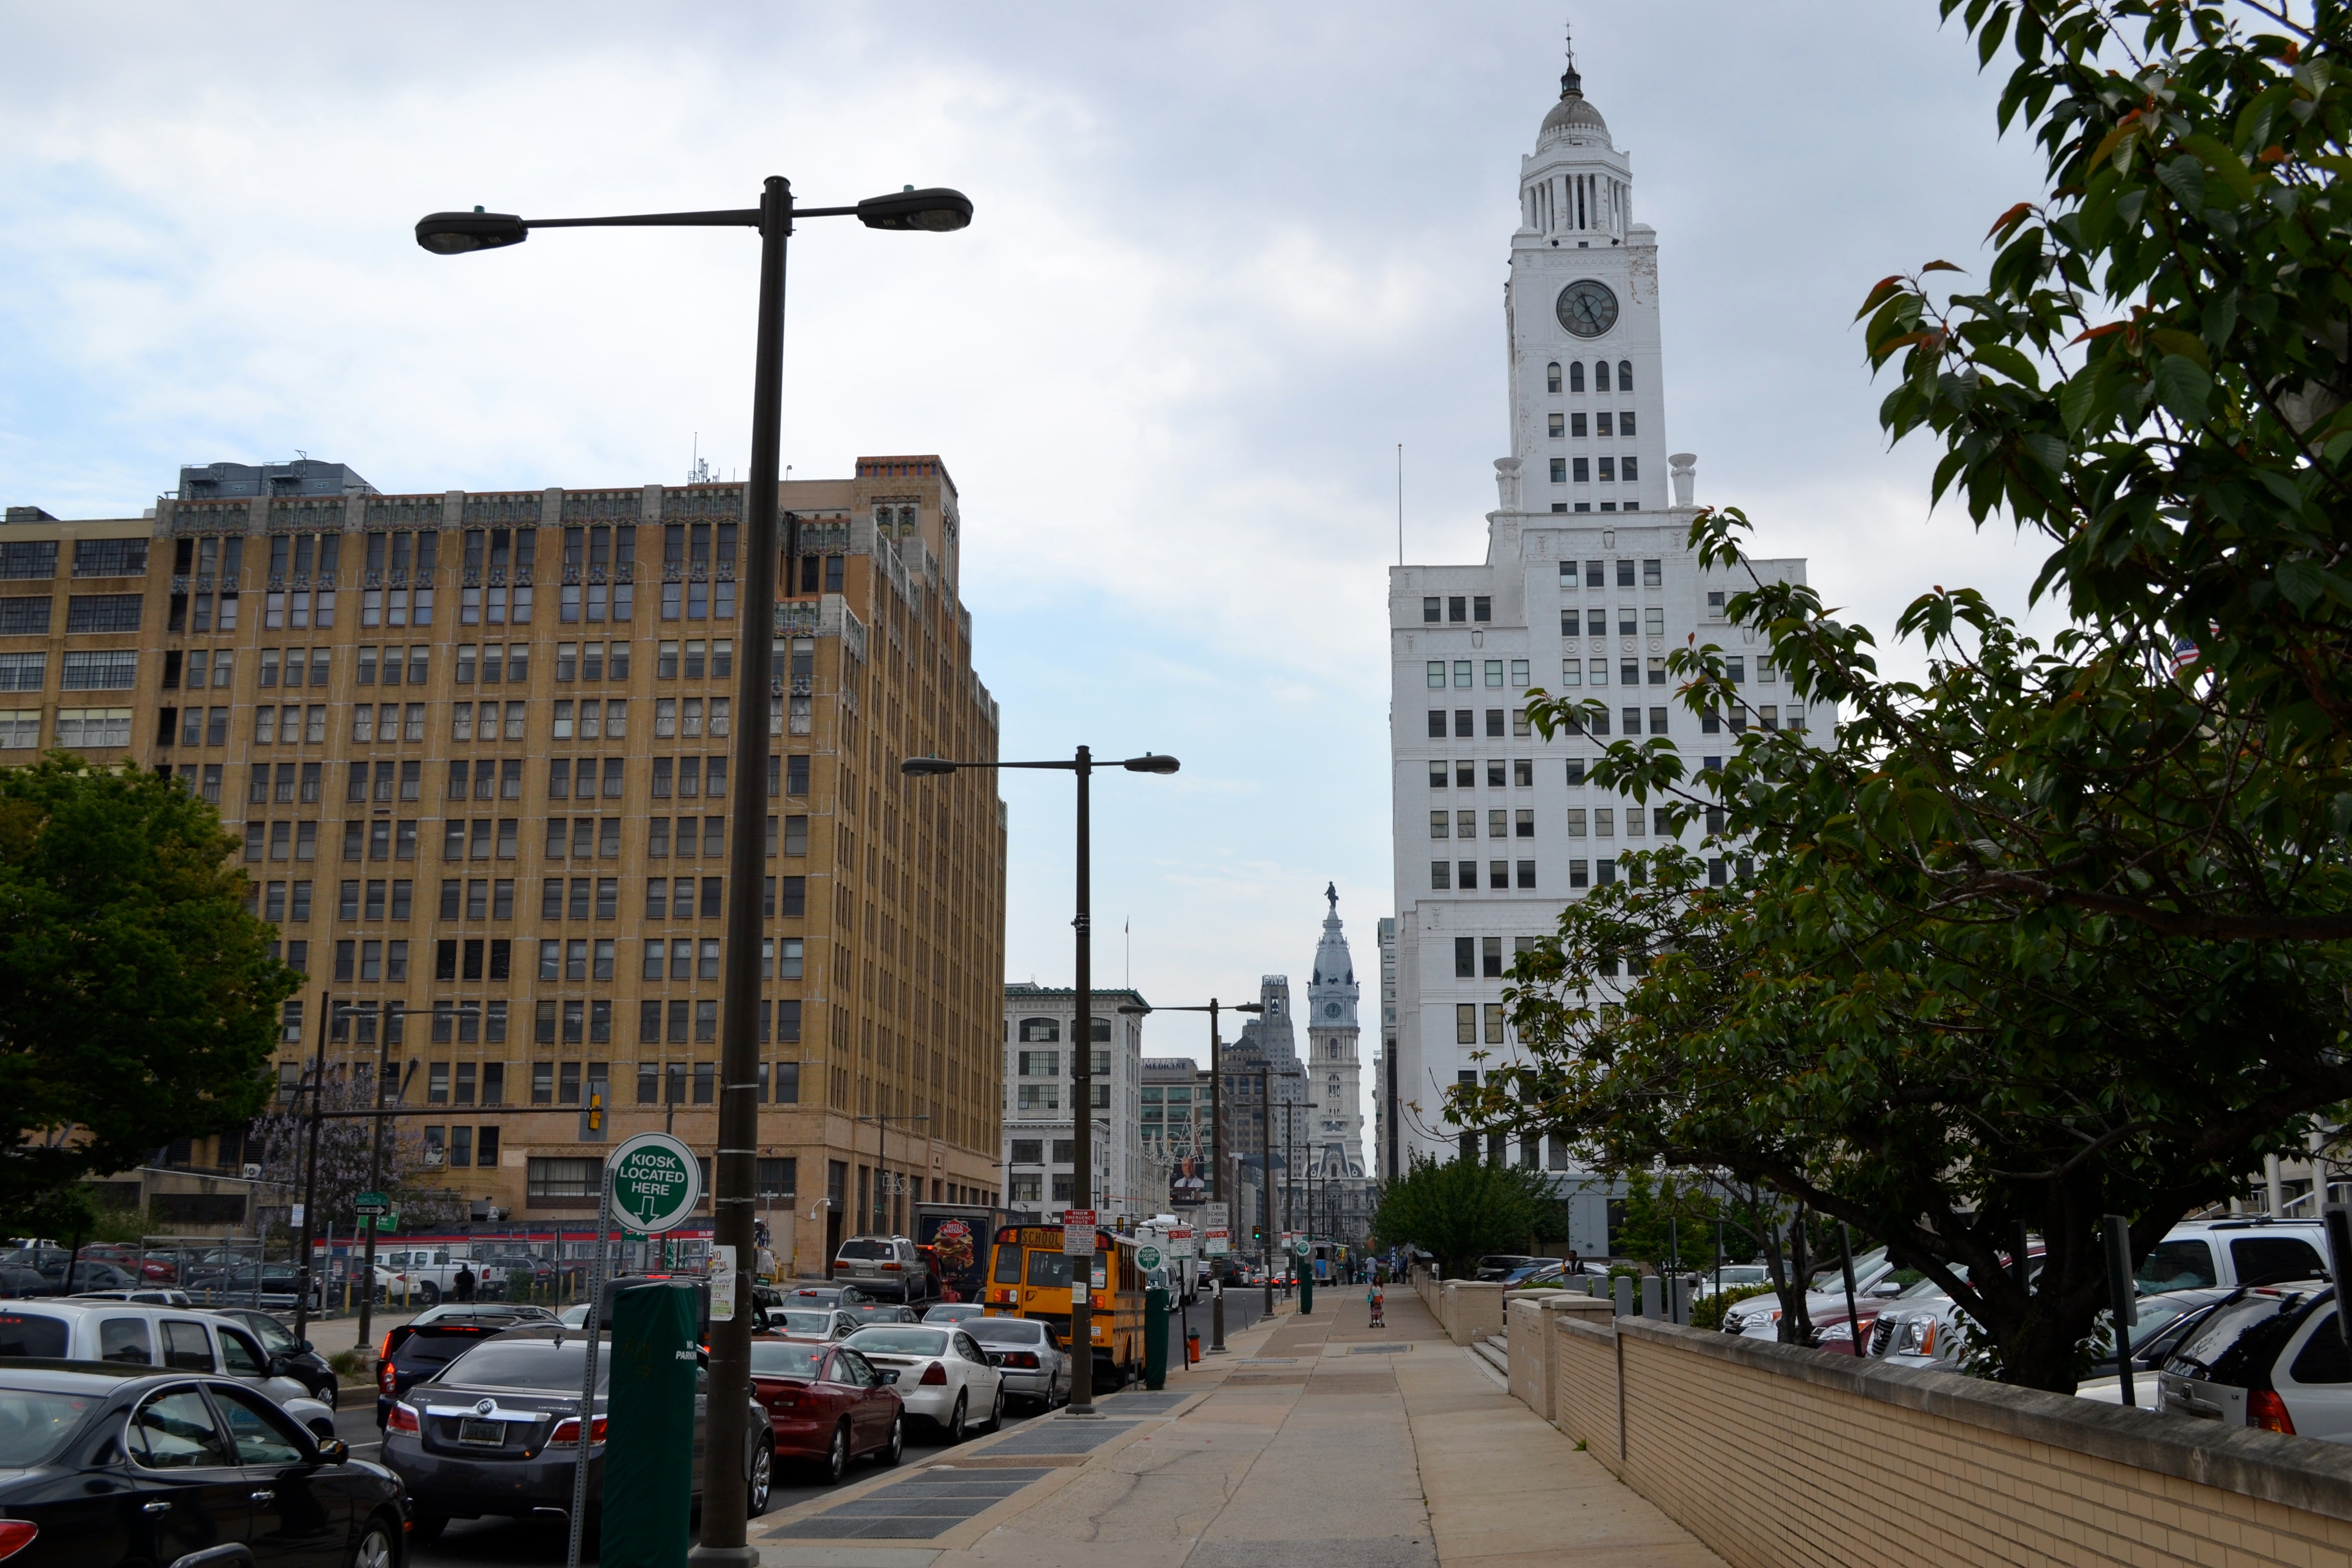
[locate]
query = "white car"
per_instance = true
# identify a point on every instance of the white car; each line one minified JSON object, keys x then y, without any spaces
{"x":1759,"y":1318}
{"x":139,"y":1335}
{"x":2254,"y":1251}
{"x":813,"y":1323}
{"x":942,"y":1375}
{"x":1735,"y":1277}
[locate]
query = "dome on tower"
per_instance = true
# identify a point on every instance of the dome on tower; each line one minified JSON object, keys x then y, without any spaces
{"x":1572,"y":118}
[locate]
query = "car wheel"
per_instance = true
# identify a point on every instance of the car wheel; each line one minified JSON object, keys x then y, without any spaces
{"x":426,"y":1527}
{"x":429,"y":1293}
{"x":896,"y":1449}
{"x":330,"y":1395}
{"x":996,"y":1410}
{"x":955,"y":1431}
{"x":761,"y":1481}
{"x":835,"y":1463}
{"x":374,"y":1550}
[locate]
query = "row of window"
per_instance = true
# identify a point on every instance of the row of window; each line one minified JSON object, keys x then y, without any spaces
{"x":1596,"y":573}
{"x":1600,"y":377}
{"x":1464,"y":773}
{"x":34,"y":558}
{"x":76,"y":728}
{"x":374,"y":960}
{"x":1034,"y":1097}
{"x":1630,"y":622}
{"x":375,"y":899}
{"x":1446,"y":876}
{"x":1466,"y":725}
{"x":584,"y":1022}
{"x":485,"y":838}
{"x":108,"y":669}
{"x":1580,"y":470}
{"x":1465,"y":672}
{"x":1604,"y":423}
{"x":1048,"y":1064}
{"x":24,"y":614}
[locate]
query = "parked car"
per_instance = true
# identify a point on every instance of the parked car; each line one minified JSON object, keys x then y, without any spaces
{"x":137,"y":1336}
{"x":18,"y":1283}
{"x":2165,"y":1321}
{"x":132,"y":1261}
{"x":300,"y":1362}
{"x":871,"y":1313}
{"x":843,"y":1296}
{"x":1759,"y":1317}
{"x":424,"y":1275}
{"x":826,"y":1405}
{"x":269,"y":1285}
{"x":889,"y":1266}
{"x":495,"y":1432}
{"x":1541,"y":1273}
{"x":1498,"y":1265}
{"x":1736,"y":1277}
{"x":2269,"y":1356}
{"x":505,"y":1314}
{"x":496,"y":1272}
{"x":1035,"y":1366}
{"x":814,"y":1323}
{"x":954,"y":1312}
{"x":941,"y":1375}
{"x":141,"y":1465}
{"x":2253,"y":1251}
{"x":419,"y":1349}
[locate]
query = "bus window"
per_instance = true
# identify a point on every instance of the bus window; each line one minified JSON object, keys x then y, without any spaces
{"x":1051,"y":1269}
{"x":1008,"y":1263}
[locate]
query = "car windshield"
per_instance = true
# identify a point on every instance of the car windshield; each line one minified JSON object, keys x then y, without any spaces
{"x":1833,"y":1277}
{"x":782,"y":1358}
{"x":867,"y":1250}
{"x":900,"y":1341}
{"x":1005,"y":1331}
{"x":273,"y":1333}
{"x":29,"y":1334}
{"x":2229,"y":1345}
{"x":813,"y":1325}
{"x":1743,"y":1273}
{"x":552,"y":1365}
{"x":35,"y":1424}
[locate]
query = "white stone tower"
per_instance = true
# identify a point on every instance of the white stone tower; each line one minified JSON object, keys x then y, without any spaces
{"x":1334,"y":1074}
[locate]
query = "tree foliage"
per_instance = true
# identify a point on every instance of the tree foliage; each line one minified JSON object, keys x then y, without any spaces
{"x":1462,"y":1208}
{"x":2061,"y":927}
{"x":142,"y":998}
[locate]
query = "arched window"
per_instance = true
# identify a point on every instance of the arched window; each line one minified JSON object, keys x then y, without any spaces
{"x":1576,"y":376}
{"x":1551,"y":376}
{"x":1039,"y":1031}
{"x":1624,"y":375}
{"x":1600,"y":375}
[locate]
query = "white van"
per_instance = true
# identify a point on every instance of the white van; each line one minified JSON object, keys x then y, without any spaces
{"x":153,"y":1336}
{"x":2256,"y":1250}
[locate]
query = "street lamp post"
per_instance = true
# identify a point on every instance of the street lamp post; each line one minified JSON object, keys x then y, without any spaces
{"x":1082,"y":1056}
{"x":734,"y":1193}
{"x":1216,"y":1143}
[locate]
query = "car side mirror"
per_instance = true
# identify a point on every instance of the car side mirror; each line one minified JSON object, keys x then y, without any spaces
{"x":334,"y":1451}
{"x":304,"y":1345}
{"x":278,"y":1367}
{"x":1887,"y":1288}
{"x":891,"y":1375}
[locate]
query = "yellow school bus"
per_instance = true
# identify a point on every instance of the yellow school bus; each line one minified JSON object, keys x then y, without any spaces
{"x":1030,"y":1278}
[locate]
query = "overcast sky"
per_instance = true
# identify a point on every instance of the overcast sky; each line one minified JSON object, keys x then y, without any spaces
{"x":1226,"y":258}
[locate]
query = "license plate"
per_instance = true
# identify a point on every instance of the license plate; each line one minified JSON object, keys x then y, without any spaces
{"x":491,"y":1434}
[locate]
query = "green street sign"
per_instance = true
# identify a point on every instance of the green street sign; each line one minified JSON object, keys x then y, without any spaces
{"x":1147,"y":1257}
{"x":655,"y":1183}
{"x":1303,"y":1248}
{"x":372,"y":1204}
{"x":387,"y":1222}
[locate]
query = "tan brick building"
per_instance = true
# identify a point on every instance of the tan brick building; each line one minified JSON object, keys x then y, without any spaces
{"x":477,"y":748}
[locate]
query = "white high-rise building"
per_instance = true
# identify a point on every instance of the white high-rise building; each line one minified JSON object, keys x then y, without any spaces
{"x":1585,"y":587}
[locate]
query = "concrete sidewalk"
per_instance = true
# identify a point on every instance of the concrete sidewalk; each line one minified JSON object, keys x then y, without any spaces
{"x":1318,"y":1441}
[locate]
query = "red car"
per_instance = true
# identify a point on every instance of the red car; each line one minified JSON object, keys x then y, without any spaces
{"x":826,"y":1405}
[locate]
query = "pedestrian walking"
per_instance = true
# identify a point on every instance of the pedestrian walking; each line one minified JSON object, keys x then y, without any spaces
{"x":465,"y":1281}
{"x":1374,"y":1302}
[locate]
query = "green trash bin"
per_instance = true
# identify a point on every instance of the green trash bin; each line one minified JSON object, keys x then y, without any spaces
{"x":650,"y":1461}
{"x":1305,"y":1292}
{"x":1155,"y":1339}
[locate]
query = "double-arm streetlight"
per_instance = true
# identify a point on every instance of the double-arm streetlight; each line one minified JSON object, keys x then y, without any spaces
{"x":1082,"y":1057}
{"x":1216,"y":1142}
{"x":734,"y":1189}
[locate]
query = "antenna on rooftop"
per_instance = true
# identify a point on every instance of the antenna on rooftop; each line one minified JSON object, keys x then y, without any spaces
{"x":699,"y":474}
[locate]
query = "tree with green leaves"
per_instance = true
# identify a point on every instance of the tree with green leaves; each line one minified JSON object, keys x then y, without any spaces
{"x":1464,"y":1208}
{"x":142,"y":997}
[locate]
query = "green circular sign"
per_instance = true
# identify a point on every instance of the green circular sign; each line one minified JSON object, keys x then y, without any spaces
{"x":1147,"y":1257}
{"x":1303,"y":1248}
{"x":655,"y":1183}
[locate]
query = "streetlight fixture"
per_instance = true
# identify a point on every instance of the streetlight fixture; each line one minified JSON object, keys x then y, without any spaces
{"x":1217,"y":1143}
{"x":1082,"y":1053}
{"x":734,"y":1186}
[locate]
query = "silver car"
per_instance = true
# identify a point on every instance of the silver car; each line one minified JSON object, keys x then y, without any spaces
{"x":1035,"y":1366}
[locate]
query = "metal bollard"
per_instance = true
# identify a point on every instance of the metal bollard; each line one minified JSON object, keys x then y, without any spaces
{"x":1621,"y":1289}
{"x":1653,"y":1297}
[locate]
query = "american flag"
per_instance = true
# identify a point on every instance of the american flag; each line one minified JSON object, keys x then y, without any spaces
{"x":2184,"y":654}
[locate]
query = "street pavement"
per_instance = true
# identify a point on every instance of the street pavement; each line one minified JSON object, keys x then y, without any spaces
{"x":533,"y":1544}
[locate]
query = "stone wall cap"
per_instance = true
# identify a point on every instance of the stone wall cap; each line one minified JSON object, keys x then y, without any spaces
{"x":2292,"y":1472}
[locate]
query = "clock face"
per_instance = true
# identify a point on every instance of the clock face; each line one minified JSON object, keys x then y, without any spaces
{"x":1330,"y":1009}
{"x":1587,"y":308}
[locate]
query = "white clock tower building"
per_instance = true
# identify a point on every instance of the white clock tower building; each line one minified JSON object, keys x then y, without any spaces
{"x":1586,"y":589}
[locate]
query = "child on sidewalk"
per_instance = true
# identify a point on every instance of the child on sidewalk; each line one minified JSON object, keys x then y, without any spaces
{"x":1374,"y":1301}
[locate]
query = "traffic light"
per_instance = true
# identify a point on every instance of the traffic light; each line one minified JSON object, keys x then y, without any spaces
{"x":595,"y":1113}
{"x":1258,"y":1233}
